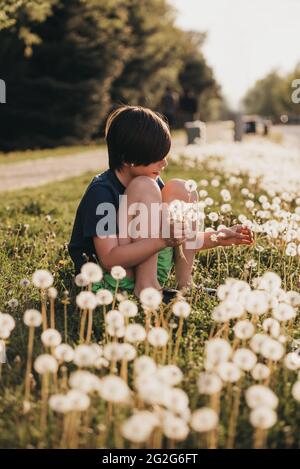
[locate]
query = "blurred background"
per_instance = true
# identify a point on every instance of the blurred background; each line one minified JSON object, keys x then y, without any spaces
{"x":66,"y":64}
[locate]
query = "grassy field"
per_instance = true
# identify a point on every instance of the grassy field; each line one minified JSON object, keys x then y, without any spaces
{"x":19,"y":156}
{"x":35,"y":228}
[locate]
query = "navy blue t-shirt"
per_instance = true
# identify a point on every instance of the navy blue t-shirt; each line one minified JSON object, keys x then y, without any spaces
{"x":105,"y":188}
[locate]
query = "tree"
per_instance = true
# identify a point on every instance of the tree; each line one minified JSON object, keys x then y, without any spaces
{"x":196,"y":76}
{"x":65,"y":63}
{"x":60,"y":93}
{"x":267,"y":97}
{"x":155,"y":54}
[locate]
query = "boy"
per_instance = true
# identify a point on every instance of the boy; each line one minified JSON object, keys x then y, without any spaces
{"x":138,"y":142}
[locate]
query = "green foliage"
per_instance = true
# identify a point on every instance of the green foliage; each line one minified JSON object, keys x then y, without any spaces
{"x":155,"y":54}
{"x":13,"y":10}
{"x":66,"y":64}
{"x":272,"y":95}
{"x":54,"y":94}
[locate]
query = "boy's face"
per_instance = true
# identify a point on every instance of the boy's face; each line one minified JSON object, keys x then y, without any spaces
{"x":153,"y":170}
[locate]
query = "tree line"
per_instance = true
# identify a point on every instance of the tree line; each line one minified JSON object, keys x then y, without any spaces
{"x":275,"y":95}
{"x":67,"y":63}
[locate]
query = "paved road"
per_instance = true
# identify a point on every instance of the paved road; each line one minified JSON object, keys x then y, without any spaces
{"x":32,"y":173}
{"x":290,"y":132}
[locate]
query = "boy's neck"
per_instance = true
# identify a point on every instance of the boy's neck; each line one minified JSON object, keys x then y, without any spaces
{"x":124,"y":176}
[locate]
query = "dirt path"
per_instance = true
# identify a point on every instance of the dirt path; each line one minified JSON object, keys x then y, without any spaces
{"x":32,"y":173}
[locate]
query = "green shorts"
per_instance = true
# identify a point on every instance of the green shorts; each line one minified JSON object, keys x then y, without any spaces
{"x":164,"y":266}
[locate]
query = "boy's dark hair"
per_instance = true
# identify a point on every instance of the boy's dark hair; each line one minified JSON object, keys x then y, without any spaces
{"x":136,"y":135}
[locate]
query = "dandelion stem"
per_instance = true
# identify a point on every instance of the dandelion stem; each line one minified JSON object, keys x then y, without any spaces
{"x":234,"y":416}
{"x":178,"y":337}
{"x":82,"y":325}
{"x":52,"y":313}
{"x":115,"y":295}
{"x":29,"y":363}
{"x":44,"y":402}
{"x":66,"y":322}
{"x":90,"y":326}
{"x":44,"y":309}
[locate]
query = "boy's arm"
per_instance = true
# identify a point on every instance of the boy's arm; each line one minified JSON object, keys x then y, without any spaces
{"x":233,"y":236}
{"x":110,"y":253}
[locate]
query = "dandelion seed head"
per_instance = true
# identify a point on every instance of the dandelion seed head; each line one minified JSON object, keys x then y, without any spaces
{"x":263,"y":417}
{"x":51,"y":338}
{"x":84,"y":356}
{"x":175,"y":428}
{"x":32,"y":318}
{"x":229,"y":372}
{"x":78,"y":401}
{"x":292,"y":361}
{"x":45,"y":363}
{"x":92,"y":272}
{"x":296,"y":391}
{"x":52,"y":293}
{"x":144,"y":364}
{"x":24,"y":283}
{"x":64,"y":353}
{"x":128,"y":308}
{"x":158,"y":337}
{"x":244,"y":329}
{"x":81,"y":280}
{"x":257,"y":303}
{"x":209,"y":383}
{"x":60,"y":403}
{"x":85,"y":381}
{"x":170,"y":375}
{"x":104,"y":297}
{"x":114,"y":318}
{"x":13,"y":303}
{"x":244,"y":358}
{"x":7,"y":322}
{"x":273,"y":350}
{"x":259,"y":395}
{"x":204,"y":420}
{"x":86,"y":300}
{"x":114,"y":389}
{"x":112,"y":351}
{"x":117,"y":272}
{"x":138,"y":427}
{"x":218,"y":351}
{"x":181,"y":309}
{"x":190,"y":185}
{"x":128,"y":352}
{"x":260,"y":372}
{"x":135,"y":333}
{"x":150,"y":298}
{"x":42,"y":279}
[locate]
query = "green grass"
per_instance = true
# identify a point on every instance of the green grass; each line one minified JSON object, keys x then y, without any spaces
{"x":30,"y":239}
{"x":18,"y":156}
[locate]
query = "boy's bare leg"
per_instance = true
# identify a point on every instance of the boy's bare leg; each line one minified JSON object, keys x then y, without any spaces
{"x":142,"y":189}
{"x":175,"y":190}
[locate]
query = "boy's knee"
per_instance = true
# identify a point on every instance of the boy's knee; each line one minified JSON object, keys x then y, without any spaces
{"x":144,"y":186}
{"x":175,"y":189}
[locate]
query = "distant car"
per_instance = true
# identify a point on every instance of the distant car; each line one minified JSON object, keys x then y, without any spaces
{"x":256,"y":125}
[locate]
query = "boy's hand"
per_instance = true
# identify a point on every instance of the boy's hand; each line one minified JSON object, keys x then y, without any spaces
{"x":177,"y":235}
{"x":234,"y":236}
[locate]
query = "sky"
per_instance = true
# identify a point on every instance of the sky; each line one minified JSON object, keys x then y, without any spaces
{"x":246,"y":38}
